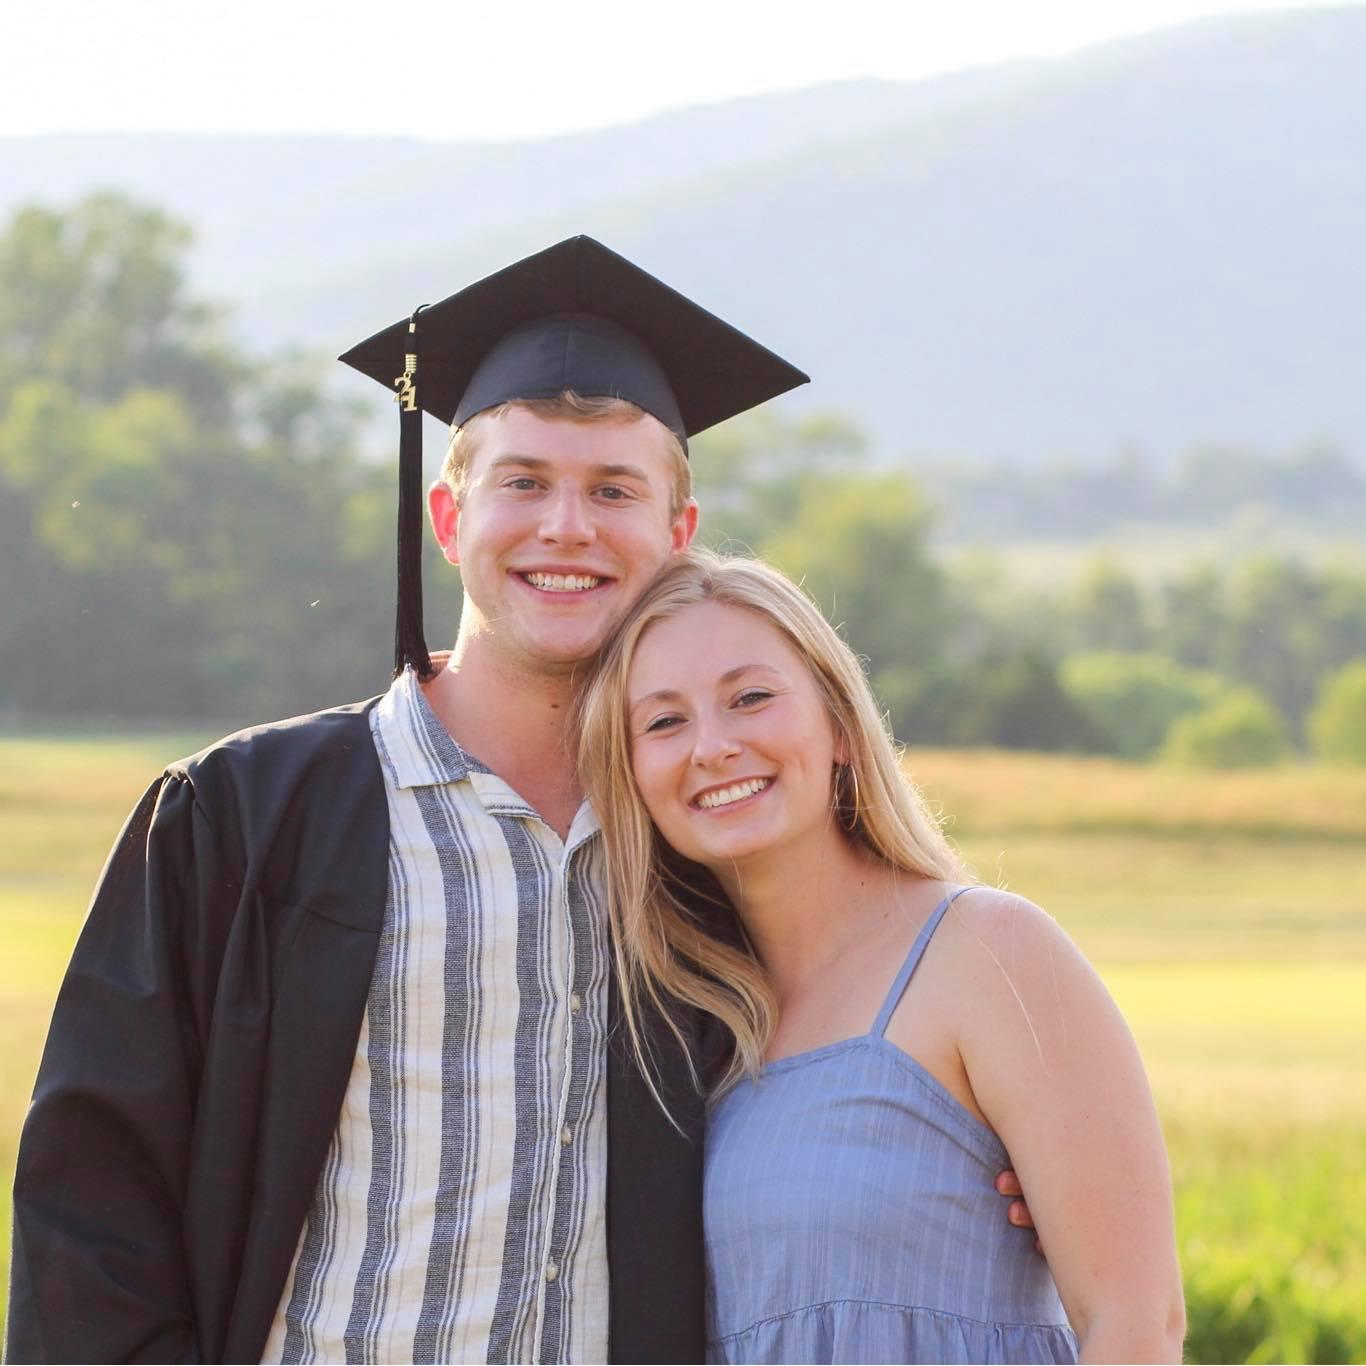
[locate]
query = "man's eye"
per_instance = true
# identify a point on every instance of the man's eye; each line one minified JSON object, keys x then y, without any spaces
{"x":614,"y":493}
{"x":523,"y":483}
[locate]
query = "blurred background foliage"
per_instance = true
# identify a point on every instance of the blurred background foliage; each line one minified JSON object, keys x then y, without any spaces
{"x":1091,"y":508}
{"x":189,"y":531}
{"x":194,"y":538}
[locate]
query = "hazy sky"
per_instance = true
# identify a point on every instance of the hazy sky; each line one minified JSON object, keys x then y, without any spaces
{"x":479,"y":69}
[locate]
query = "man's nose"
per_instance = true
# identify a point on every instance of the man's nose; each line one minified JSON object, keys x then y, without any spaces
{"x":567,"y":518}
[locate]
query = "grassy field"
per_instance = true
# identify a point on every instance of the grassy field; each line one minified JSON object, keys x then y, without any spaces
{"x":1226,"y":912}
{"x":1152,"y":552}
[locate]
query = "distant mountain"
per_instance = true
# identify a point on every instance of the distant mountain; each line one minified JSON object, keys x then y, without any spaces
{"x":320,"y":204}
{"x":1151,"y":243}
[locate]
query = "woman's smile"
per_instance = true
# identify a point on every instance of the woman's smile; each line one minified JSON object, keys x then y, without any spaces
{"x":732,"y":795}
{"x":732,"y":745}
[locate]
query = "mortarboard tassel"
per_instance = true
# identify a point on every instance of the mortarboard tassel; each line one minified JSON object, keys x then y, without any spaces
{"x":410,"y":645}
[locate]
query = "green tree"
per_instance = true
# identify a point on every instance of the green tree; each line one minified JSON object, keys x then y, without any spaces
{"x":183,"y":532}
{"x":1108,"y":609}
{"x":1194,"y":617}
{"x":1275,"y":624}
{"x":758,"y":471}
{"x":1241,"y":730}
{"x":1341,"y":618}
{"x":1317,"y":480}
{"x":95,"y":296}
{"x":1008,"y":697}
{"x":859,"y":543}
{"x":1131,"y":700}
{"x":1275,"y":640}
{"x":1337,"y":724}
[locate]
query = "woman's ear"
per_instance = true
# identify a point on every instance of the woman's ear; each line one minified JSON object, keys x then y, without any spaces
{"x":843,"y":749}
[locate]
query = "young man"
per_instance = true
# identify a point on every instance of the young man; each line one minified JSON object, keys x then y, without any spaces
{"x":332,"y":1074}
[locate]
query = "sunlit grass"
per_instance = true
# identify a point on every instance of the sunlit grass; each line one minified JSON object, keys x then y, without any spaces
{"x":1137,"y":897}
{"x":990,"y":790}
{"x":1227,"y":913}
{"x":1273,"y":1241}
{"x":1155,"y":553}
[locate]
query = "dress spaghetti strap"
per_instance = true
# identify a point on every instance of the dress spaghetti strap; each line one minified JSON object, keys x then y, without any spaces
{"x":903,"y":978}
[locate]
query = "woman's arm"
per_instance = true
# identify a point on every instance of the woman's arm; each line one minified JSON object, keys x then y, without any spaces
{"x":1055,"y":1070}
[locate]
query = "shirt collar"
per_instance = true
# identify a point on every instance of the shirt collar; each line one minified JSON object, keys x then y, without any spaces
{"x":414,"y":747}
{"x":416,"y":750}
{"x":501,"y":800}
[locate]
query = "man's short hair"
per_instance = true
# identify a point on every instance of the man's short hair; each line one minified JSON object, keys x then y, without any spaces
{"x":566,"y":407}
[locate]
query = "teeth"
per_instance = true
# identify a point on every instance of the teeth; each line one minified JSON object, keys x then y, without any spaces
{"x":562,"y":583}
{"x":736,"y":793}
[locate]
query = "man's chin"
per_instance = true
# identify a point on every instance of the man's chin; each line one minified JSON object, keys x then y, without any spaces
{"x":562,"y":657}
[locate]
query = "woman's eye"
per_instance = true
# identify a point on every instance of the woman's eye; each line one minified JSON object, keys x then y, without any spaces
{"x":751,"y":696}
{"x":663,"y":723}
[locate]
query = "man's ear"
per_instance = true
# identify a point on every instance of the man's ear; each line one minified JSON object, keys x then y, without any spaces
{"x":444,"y":512}
{"x":685,"y":525}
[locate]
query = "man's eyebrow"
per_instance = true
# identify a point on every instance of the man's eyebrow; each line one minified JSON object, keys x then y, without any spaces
{"x":531,"y":462}
{"x":620,"y":472}
{"x":536,"y":462}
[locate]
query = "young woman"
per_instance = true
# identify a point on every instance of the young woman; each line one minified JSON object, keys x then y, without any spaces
{"x":893,"y":1032}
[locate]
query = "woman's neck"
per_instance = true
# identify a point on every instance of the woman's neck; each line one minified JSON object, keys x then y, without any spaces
{"x":803,"y":908}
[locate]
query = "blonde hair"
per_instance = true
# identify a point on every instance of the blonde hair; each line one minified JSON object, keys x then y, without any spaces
{"x":675,"y":936}
{"x":566,"y":406}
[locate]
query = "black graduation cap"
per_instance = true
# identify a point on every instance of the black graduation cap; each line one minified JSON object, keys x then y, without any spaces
{"x":574,"y":316}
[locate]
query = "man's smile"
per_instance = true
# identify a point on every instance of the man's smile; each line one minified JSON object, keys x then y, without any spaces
{"x":575,"y":582}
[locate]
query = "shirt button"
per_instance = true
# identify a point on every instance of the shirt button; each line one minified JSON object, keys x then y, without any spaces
{"x":552,"y":1271}
{"x":566,"y":1136}
{"x":575,"y":1003}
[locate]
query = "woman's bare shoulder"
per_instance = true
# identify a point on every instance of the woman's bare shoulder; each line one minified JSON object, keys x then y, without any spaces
{"x":1009,"y":950}
{"x":1002,"y":920}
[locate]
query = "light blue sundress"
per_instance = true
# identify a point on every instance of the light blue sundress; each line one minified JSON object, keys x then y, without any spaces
{"x":851,"y":1216}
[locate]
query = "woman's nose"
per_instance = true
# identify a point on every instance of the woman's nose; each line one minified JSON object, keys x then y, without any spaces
{"x":713,"y":744}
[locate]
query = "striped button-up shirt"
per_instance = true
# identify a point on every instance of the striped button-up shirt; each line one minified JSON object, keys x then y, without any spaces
{"x":460,"y":1214}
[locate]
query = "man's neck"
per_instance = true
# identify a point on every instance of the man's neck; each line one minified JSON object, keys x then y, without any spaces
{"x":514,"y":721}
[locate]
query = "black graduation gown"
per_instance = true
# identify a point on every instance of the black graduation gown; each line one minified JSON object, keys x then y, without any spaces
{"x":198,"y":1056}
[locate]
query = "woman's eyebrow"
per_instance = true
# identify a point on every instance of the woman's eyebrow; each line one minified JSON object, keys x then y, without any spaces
{"x":672,"y":694}
{"x":731,"y":675}
{"x":659,"y":695}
